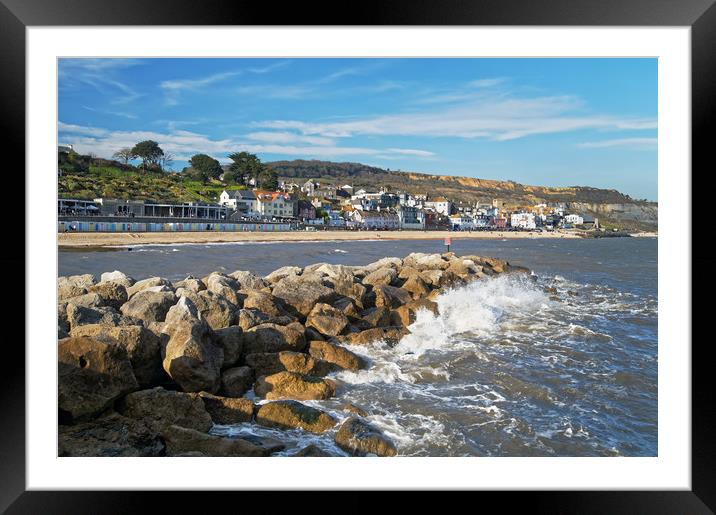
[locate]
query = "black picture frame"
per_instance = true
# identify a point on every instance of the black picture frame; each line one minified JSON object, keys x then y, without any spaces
{"x":700,"y":15}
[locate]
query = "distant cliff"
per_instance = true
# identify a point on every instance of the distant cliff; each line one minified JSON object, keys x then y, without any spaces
{"x":609,"y":205}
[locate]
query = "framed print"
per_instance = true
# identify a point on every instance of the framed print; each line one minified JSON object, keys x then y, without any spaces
{"x":458,"y":238}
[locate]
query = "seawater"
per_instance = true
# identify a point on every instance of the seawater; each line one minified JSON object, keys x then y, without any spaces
{"x":560,"y":363}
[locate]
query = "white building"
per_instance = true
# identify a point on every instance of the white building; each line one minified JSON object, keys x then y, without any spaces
{"x":440,"y":205}
{"x":243,"y":201}
{"x":411,"y":218}
{"x":523,"y":221}
{"x":274,"y":204}
{"x":461,"y":222}
{"x":574,"y":219}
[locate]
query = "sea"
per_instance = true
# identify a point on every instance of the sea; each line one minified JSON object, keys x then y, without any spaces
{"x":562,"y":362}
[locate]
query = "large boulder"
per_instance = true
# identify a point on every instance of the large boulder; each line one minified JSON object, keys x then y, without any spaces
{"x":248,"y":318}
{"x":142,"y":348}
{"x":191,"y":283}
{"x":79,"y":315}
{"x":390,"y":335}
{"x":180,"y":440}
{"x":228,"y":410}
{"x":215,"y":309}
{"x":392,"y":262}
{"x":301,"y":293}
{"x":427,"y":261}
{"x":248,"y":281}
{"x":465,"y":268}
{"x":224,"y":286}
{"x":73,"y":285}
{"x":327,"y":320}
{"x":112,"y":294}
{"x":406,"y":314}
{"x":91,"y":375}
{"x":236,"y":381}
{"x":290,"y":385}
{"x":390,"y":296}
{"x":265,"y":303}
{"x":190,"y":357}
{"x":109,"y":436}
{"x":335,"y":354}
{"x":376,"y":317}
{"x":160,"y":408}
{"x":117,"y":277}
{"x":358,"y":438}
{"x":416,"y":286}
{"x":381,"y":276}
{"x":150,"y":306}
{"x":282,"y":273}
{"x":269,"y":363}
{"x":293,"y":415}
{"x":231,"y":340}
{"x":313,"y":451}
{"x":86,"y":300}
{"x":273,"y":338}
{"x":147,"y":283}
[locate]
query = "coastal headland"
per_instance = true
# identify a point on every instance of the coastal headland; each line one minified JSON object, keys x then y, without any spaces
{"x":148,"y":368}
{"x":120,"y":239}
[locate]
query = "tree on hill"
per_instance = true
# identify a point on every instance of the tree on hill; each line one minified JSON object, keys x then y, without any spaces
{"x":267,"y":179}
{"x":149,"y":152}
{"x":245,"y":164}
{"x":124,"y":155}
{"x":204,"y":167}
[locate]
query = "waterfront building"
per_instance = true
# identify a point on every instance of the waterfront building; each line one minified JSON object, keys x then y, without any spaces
{"x":523,"y":221}
{"x":243,"y":201}
{"x":574,"y":219}
{"x":410,"y":217}
{"x":441,"y":205}
{"x":274,"y":204}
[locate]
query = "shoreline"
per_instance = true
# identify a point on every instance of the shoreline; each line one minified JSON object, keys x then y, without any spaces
{"x":104,"y":240}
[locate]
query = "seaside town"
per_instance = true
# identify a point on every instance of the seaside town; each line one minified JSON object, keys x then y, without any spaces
{"x":316,"y":205}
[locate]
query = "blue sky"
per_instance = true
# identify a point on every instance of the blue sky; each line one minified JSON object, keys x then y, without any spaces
{"x":553,"y":122}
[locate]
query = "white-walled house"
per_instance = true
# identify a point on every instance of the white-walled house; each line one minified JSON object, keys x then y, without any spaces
{"x":574,"y":219}
{"x":275,"y":204}
{"x":440,"y":205}
{"x":523,"y":221}
{"x":243,"y":201}
{"x":461,"y":222}
{"x":410,"y":217}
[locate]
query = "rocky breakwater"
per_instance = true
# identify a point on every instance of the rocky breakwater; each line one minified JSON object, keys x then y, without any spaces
{"x":147,"y":368}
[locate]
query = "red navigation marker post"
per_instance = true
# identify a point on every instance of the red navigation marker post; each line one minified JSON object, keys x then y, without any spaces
{"x":448,"y":241}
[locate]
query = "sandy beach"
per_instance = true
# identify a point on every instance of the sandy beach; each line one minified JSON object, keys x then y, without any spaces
{"x":115,"y":239}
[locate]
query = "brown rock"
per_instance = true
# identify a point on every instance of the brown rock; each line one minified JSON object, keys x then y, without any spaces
{"x":359,"y":438}
{"x":142,"y":348}
{"x":390,"y":296}
{"x":271,"y":363}
{"x":248,"y":281}
{"x":265,"y":303}
{"x":147,"y":283}
{"x":301,"y":293}
{"x":160,"y":408}
{"x":151,"y":306}
{"x":313,"y":451}
{"x":292,"y":415}
{"x":385,"y":276}
{"x":389,"y":335}
{"x":282,"y":273}
{"x":352,"y":408}
{"x":228,"y":410}
{"x":92,"y":375}
{"x":80,"y":315}
{"x":335,"y":354}
{"x":231,"y":340}
{"x":273,"y":338}
{"x":417,"y":287}
{"x":226,"y":287}
{"x":236,"y":381}
{"x":190,"y":357}
{"x":406,"y":314}
{"x":215,"y":309}
{"x":117,"y":277}
{"x":109,"y":436}
{"x":181,"y":440}
{"x":289,"y":385}
{"x":326,"y":320}
{"x":376,"y":317}
{"x":112,"y":294}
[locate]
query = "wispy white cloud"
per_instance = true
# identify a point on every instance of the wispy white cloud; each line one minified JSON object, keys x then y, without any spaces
{"x":99,"y":74}
{"x":497,"y":118}
{"x":638,"y":143}
{"x":173,"y":88}
{"x":270,"y":67}
{"x":104,"y":142}
{"x":113,"y":113}
{"x":288,"y":137}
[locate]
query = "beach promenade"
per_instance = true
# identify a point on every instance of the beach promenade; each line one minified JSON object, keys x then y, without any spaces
{"x":118,"y":239}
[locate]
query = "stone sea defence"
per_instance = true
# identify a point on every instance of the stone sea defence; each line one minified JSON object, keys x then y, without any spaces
{"x":147,"y":368}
